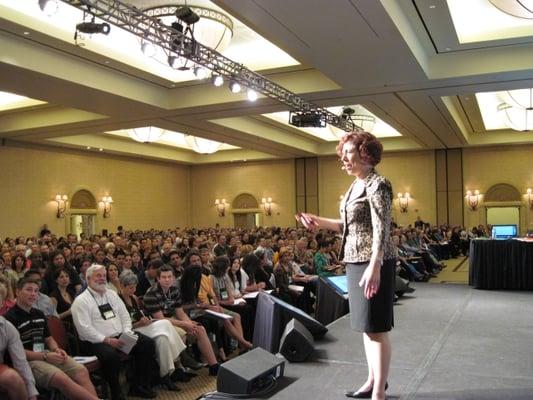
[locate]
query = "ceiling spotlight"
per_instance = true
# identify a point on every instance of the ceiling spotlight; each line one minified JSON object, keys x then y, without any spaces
{"x":93,"y":27}
{"x":217,"y":80}
{"x":200,"y":72}
{"x":187,"y":15}
{"x":148,"y":48}
{"x":252,"y":95}
{"x":49,"y":7}
{"x":173,"y":61}
{"x":235,"y":87}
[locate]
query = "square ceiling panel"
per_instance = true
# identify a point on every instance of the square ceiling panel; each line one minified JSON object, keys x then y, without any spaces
{"x":123,"y":50}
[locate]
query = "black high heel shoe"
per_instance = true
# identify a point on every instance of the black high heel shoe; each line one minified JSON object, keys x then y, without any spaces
{"x":367,"y":394}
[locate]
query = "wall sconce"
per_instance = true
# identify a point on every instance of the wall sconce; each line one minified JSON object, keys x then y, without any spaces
{"x":62,"y":201}
{"x":403,"y":201}
{"x":221,"y":207}
{"x":107,"y":200}
{"x":267,"y":205}
{"x":472,"y":199}
{"x":529,"y":194}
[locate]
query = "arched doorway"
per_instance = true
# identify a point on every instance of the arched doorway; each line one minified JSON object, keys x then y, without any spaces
{"x":246,"y":211}
{"x":82,"y":215}
{"x":503,"y":205}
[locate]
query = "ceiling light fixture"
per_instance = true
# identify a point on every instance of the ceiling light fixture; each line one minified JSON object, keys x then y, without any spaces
{"x":148,"y":49}
{"x":201,"y":145}
{"x":518,"y":109}
{"x":173,"y":61}
{"x":210,"y":27}
{"x":217,"y":80}
{"x":235,"y":87}
{"x":49,"y":7}
{"x":146,"y":134}
{"x":200,"y":72}
{"x":516,"y":8}
{"x":518,"y":119}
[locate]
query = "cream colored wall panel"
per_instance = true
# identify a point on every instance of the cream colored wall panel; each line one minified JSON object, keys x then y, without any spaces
{"x":274,"y":179}
{"x":145,"y":194}
{"x":487,"y":166}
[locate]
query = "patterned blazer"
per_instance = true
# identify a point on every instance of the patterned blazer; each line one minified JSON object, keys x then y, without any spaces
{"x":366,"y":220}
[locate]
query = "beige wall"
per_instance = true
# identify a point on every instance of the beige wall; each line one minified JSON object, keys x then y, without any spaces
{"x":486,"y":167}
{"x":412,"y":172}
{"x":274,"y":179}
{"x":146,"y":194}
{"x":151,"y":194}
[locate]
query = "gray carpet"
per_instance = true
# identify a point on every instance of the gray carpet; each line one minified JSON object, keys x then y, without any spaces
{"x":451,"y":342}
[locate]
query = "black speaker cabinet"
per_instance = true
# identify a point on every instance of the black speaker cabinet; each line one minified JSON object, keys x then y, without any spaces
{"x":297,"y":342}
{"x":249,"y":373}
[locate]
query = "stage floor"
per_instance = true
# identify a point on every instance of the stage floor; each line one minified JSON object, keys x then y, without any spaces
{"x":450,"y":342}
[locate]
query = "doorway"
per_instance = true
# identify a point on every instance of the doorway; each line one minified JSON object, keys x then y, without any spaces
{"x":246,"y":220}
{"x":83,"y":223}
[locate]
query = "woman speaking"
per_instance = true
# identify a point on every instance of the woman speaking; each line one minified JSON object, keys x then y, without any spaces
{"x":368,"y":252}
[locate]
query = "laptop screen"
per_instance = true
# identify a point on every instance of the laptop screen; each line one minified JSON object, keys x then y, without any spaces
{"x":339,"y":282}
{"x":504,"y":231}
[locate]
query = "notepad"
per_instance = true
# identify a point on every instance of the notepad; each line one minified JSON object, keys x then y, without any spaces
{"x":296,"y":288}
{"x":85,"y":359}
{"x":239,"y":301}
{"x":218,"y":314}
{"x":129,"y":340}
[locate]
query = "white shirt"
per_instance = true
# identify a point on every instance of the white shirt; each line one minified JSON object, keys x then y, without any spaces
{"x":90,"y":324}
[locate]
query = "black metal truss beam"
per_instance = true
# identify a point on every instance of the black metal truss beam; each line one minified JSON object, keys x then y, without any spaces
{"x":177,"y":44}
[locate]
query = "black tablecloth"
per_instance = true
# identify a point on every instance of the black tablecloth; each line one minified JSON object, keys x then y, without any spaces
{"x":501,"y":264}
{"x":331,"y":305}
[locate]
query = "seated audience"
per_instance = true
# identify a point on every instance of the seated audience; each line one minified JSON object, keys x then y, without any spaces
{"x":168,"y":342}
{"x":101,"y":317}
{"x":44,"y":302}
{"x":164,"y":301}
{"x":17,"y":381}
{"x":63,"y":297}
{"x":51,"y":366}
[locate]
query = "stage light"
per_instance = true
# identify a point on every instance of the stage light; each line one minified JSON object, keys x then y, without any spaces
{"x":92,"y":26}
{"x":148,"y":48}
{"x":235,"y":87}
{"x":49,"y":7}
{"x":217,"y":80}
{"x":252,"y":95}
{"x":307,"y":119}
{"x":187,"y":15}
{"x":173,"y":61}
{"x":200,"y":72}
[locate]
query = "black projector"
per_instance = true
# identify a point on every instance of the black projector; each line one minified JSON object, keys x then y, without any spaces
{"x":249,"y":373}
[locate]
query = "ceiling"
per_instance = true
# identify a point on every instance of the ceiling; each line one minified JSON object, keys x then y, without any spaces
{"x":402,"y":61}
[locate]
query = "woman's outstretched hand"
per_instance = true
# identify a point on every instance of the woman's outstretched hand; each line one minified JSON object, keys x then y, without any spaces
{"x":370,"y":281}
{"x":310,"y":221}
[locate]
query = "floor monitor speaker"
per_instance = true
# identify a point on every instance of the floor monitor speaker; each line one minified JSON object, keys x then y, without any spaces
{"x":250,"y":373}
{"x":297,"y":343}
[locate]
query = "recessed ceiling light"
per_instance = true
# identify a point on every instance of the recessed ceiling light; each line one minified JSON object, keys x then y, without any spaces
{"x":448,"y":49}
{"x":88,"y":147}
{"x":26,"y":33}
{"x":432,"y":6}
{"x":107,"y":62}
{"x":100,"y":149}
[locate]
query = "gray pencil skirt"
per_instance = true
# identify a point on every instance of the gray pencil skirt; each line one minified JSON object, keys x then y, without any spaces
{"x":375,"y":314}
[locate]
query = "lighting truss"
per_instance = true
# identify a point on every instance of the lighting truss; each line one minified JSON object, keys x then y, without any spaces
{"x":177,"y":44}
